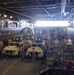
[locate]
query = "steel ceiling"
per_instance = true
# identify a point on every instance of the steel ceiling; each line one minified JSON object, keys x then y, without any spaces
{"x":37,"y":9}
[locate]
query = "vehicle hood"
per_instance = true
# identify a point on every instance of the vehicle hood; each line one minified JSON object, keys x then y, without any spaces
{"x":36,"y":49}
{"x":10,"y":48}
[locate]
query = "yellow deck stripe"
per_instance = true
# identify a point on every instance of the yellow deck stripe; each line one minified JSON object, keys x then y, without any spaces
{"x":9,"y":67}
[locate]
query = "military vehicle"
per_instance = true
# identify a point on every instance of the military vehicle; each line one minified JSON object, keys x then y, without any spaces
{"x":15,"y":47}
{"x":35,"y":50}
{"x":69,"y":46}
{"x":69,"y":54}
{"x":39,"y":40}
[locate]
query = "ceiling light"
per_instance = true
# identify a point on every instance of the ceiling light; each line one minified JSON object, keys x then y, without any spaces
{"x":5,"y":15}
{"x":52,"y":23}
{"x":11,"y":16}
{"x":65,"y":13}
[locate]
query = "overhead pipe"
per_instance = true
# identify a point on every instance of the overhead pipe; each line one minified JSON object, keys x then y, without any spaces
{"x":22,"y":5}
{"x":36,"y":6}
{"x":63,"y":6}
{"x":16,"y":12}
{"x":41,"y":6}
{"x":17,"y":2}
{"x":44,"y":9}
{"x":71,"y":14}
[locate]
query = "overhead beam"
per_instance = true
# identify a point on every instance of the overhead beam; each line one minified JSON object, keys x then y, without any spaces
{"x":38,"y":6}
{"x":17,"y":2}
{"x":17,"y":13}
{"x":63,"y":6}
{"x":71,"y":14}
{"x":11,"y":2}
{"x":44,"y":9}
{"x":35,"y":8}
{"x":22,"y":5}
{"x":41,"y":6}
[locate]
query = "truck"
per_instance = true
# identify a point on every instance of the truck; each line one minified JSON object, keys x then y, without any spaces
{"x":35,"y":50}
{"x":15,"y":47}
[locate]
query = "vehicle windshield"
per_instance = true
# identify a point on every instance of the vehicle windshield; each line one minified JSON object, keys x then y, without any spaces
{"x":26,"y":38}
{"x":39,"y":45}
{"x":34,"y":45}
{"x":17,"y":45}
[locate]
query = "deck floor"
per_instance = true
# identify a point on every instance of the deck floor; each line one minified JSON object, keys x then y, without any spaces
{"x":17,"y":67}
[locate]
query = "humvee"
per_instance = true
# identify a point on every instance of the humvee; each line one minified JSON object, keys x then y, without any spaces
{"x":35,"y":50}
{"x":15,"y":47}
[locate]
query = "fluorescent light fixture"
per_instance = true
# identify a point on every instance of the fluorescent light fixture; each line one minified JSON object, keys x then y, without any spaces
{"x":51,"y":23}
{"x":11,"y":16}
{"x":5,"y":15}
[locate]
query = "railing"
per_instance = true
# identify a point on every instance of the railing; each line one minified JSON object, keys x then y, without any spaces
{"x":51,"y":71}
